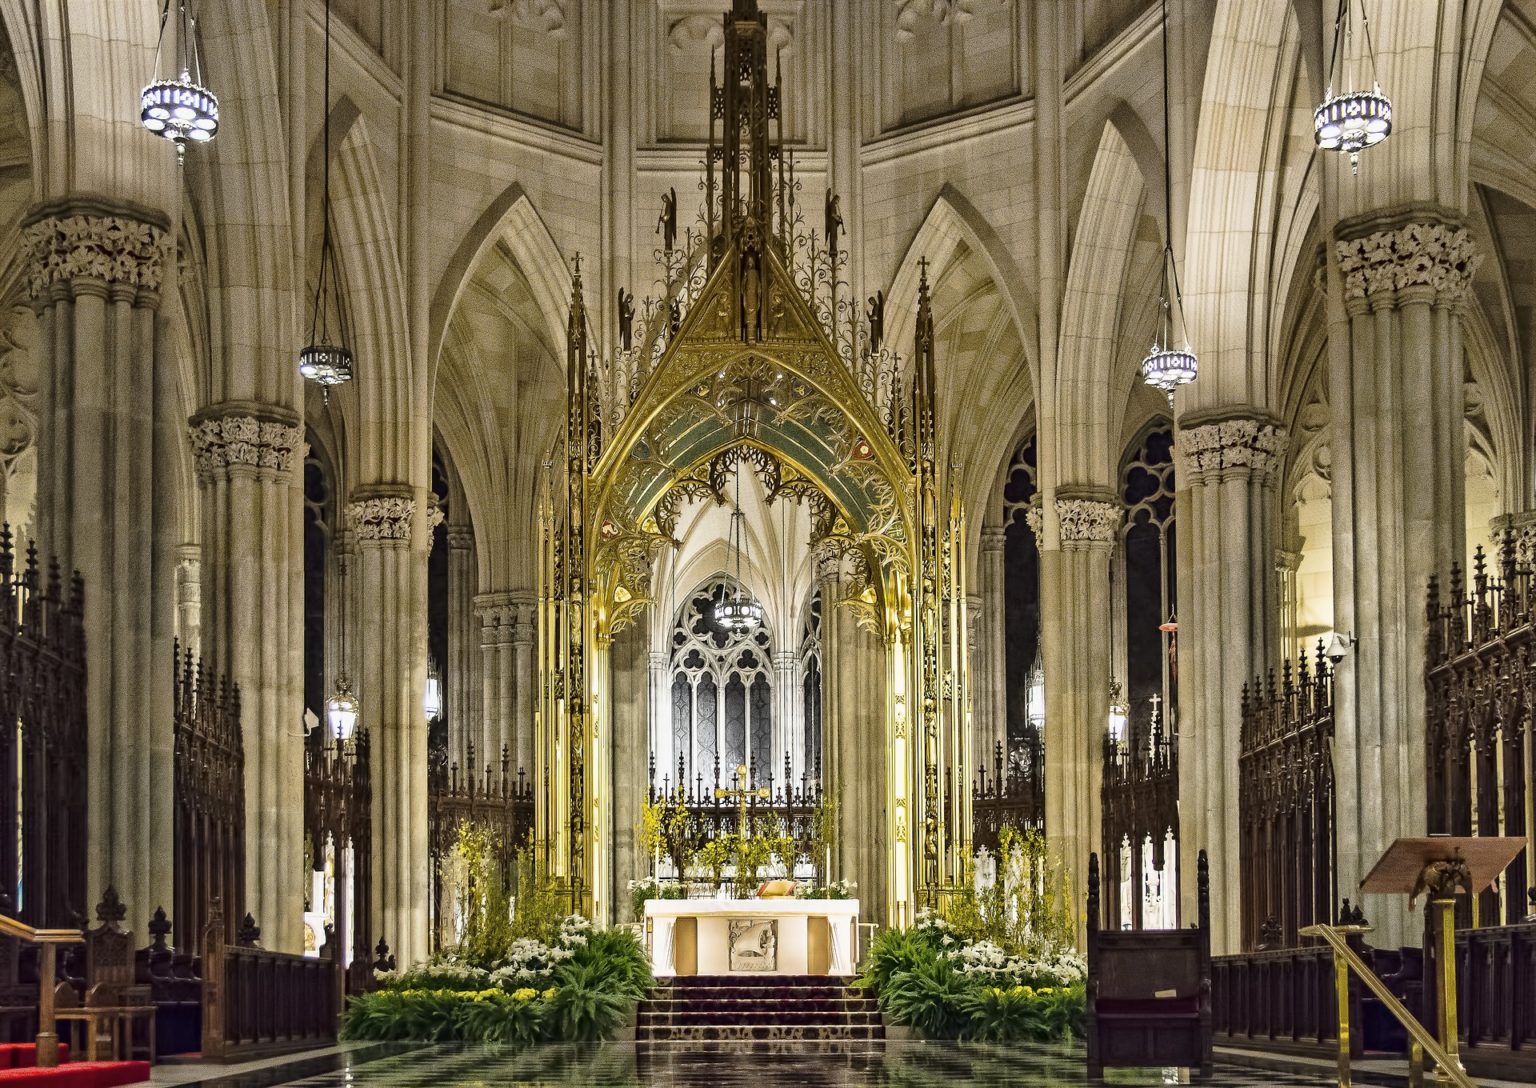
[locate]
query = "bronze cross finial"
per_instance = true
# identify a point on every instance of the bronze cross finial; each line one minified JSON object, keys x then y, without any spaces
{"x":741,"y":794}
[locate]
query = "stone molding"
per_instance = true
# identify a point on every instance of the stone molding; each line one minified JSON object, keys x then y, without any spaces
{"x":382,"y":518}
{"x":545,"y":15}
{"x":993,"y":537}
{"x":461,"y":537}
{"x":1251,"y":445}
{"x":910,"y":12}
{"x":506,"y":617}
{"x":108,"y":249}
{"x":224,"y":442}
{"x":1088,"y":522}
{"x":1438,"y":256}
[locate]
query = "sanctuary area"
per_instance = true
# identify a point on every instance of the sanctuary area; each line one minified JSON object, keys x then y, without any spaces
{"x":919,"y":541}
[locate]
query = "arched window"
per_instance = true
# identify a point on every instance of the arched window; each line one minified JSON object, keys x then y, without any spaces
{"x":319,"y":525}
{"x":722,"y":689}
{"x":1150,"y":583}
{"x":1021,"y":600}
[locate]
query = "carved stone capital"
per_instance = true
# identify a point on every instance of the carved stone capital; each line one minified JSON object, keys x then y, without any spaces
{"x":545,"y":15}
{"x":461,"y":538}
{"x":382,"y":519}
{"x":1377,"y":267}
{"x":498,"y":612}
{"x":75,"y":246}
{"x":1034,"y":517}
{"x":1086,"y":523}
{"x":232,"y":440}
{"x":1230,"y":445}
{"x":993,"y":537}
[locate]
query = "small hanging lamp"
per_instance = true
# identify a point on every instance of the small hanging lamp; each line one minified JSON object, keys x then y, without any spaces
{"x":1166,"y":366}
{"x":322,"y":361}
{"x":738,"y":611}
{"x":180,"y":109}
{"x":1352,"y":120}
{"x":341,"y":709}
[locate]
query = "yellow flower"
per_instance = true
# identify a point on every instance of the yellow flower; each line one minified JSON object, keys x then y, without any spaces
{"x":549,"y":994}
{"x":527,"y":993}
{"x":1045,"y":990}
{"x":1020,"y":989}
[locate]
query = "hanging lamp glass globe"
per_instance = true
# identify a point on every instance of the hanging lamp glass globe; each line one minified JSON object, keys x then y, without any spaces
{"x":1352,"y":121}
{"x":181,"y":109}
{"x":341,"y":710}
{"x":739,"y":614}
{"x":326,"y":364}
{"x":1168,"y":368}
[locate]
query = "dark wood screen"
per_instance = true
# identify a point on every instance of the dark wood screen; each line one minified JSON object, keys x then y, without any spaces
{"x":338,"y":805}
{"x":1480,"y":679}
{"x":1013,"y":795}
{"x":43,"y":795}
{"x":1140,"y":796}
{"x":209,"y":835}
{"x":1285,"y":803}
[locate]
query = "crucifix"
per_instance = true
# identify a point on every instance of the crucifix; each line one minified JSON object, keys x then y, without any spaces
{"x":741,"y":794}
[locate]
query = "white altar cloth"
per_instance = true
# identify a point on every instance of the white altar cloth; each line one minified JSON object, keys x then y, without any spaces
{"x":806,"y":936}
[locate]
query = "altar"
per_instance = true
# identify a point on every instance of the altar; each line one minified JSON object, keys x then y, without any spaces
{"x":752,"y":936}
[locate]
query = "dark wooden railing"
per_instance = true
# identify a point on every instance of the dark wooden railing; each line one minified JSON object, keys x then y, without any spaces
{"x":1283,"y":996}
{"x":1013,"y":796}
{"x":208,"y":838}
{"x":1285,"y":803}
{"x":1480,"y":679}
{"x":1140,"y":797}
{"x":257,"y":1002}
{"x":1496,"y":987}
{"x":42,"y":763}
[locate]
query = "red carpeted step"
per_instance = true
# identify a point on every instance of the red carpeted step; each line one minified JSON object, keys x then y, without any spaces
{"x":24,"y":1055}
{"x":695,"y":1008}
{"x":79,"y":1075}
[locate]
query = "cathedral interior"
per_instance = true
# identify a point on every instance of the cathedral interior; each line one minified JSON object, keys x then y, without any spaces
{"x":727,"y":487}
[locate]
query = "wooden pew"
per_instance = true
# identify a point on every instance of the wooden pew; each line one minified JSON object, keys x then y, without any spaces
{"x":257,"y":1002}
{"x":1149,"y":990}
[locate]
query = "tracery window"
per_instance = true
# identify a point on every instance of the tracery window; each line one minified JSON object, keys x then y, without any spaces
{"x":722,"y":689}
{"x":1021,"y":597}
{"x":810,"y":684}
{"x":1150,"y":583}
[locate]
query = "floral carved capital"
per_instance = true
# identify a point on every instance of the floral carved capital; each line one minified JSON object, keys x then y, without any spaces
{"x":1232,"y":444}
{"x":1438,"y":256}
{"x":224,"y":442}
{"x":110,"y":249}
{"x":382,"y":518}
{"x":1086,"y":522}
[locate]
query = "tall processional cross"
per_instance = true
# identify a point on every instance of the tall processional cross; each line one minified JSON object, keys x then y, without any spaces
{"x":741,"y":794}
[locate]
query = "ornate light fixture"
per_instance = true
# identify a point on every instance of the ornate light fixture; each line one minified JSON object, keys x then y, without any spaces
{"x":1034,"y":698}
{"x":432,"y":698}
{"x":180,"y":109}
{"x":341,"y":709}
{"x":1167,"y":367}
{"x":738,"y":612}
{"x":1119,"y":713}
{"x":323,"y":362}
{"x":1351,"y":121}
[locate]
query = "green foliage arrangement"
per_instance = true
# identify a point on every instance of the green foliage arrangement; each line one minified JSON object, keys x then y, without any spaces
{"x":485,"y":901}
{"x":651,"y":888}
{"x":998,"y":966}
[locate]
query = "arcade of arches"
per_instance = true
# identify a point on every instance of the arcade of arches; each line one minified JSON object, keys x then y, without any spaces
{"x":994,"y":568}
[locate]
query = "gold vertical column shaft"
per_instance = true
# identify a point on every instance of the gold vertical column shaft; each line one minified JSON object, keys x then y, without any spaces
{"x":1341,"y":988}
{"x":1445,"y":980}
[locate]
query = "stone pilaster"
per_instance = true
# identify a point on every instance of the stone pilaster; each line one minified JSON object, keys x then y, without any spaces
{"x":662,"y":748}
{"x":189,"y":596}
{"x":498,"y":614}
{"x":390,"y":579}
{"x":461,"y":699}
{"x":989,"y":650}
{"x":524,"y":681}
{"x":1228,"y":632}
{"x":1074,"y":603}
{"x":629,"y":715}
{"x":106,"y":508}
{"x":789,"y":716}
{"x":1396,"y":369}
{"x":249,"y":459}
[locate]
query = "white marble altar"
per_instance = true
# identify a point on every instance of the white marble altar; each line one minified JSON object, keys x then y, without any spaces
{"x":752,"y":936}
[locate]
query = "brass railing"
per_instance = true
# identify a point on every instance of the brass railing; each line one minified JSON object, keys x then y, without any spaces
{"x":47,"y":940}
{"x":1422,"y":1041}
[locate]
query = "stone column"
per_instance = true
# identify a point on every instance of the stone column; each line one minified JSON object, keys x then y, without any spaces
{"x":1396,"y":289}
{"x":189,"y":596}
{"x":461,"y":699}
{"x":1074,"y":604}
{"x":661,"y":719}
{"x":1228,"y":633}
{"x":989,"y":698}
{"x":519,"y":732}
{"x":498,"y":616}
{"x":106,"y":508}
{"x":629,"y":673}
{"x":790,"y":710}
{"x":853,"y":724}
{"x":390,"y":579}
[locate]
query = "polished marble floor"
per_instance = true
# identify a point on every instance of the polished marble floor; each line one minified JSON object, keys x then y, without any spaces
{"x":626,"y":1065}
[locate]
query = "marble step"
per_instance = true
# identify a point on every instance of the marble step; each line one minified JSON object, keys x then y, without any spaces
{"x":820,"y":1004}
{"x":759,"y":1016}
{"x":759,"y":993}
{"x":757,"y":1032}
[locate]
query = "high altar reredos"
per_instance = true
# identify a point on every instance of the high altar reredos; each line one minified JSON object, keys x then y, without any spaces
{"x":757,"y":353}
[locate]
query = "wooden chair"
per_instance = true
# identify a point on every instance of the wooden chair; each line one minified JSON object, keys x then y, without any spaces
{"x":116,"y":1011}
{"x":1149,"y":990}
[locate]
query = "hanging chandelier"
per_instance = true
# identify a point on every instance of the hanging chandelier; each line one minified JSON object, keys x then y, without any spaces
{"x":1166,"y":366}
{"x":1353,"y":120}
{"x":738,"y":611}
{"x":322,"y":361}
{"x":180,"y":109}
{"x":341,"y":709}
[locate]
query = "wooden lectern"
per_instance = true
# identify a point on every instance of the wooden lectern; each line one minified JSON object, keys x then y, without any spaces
{"x":1443,"y":867}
